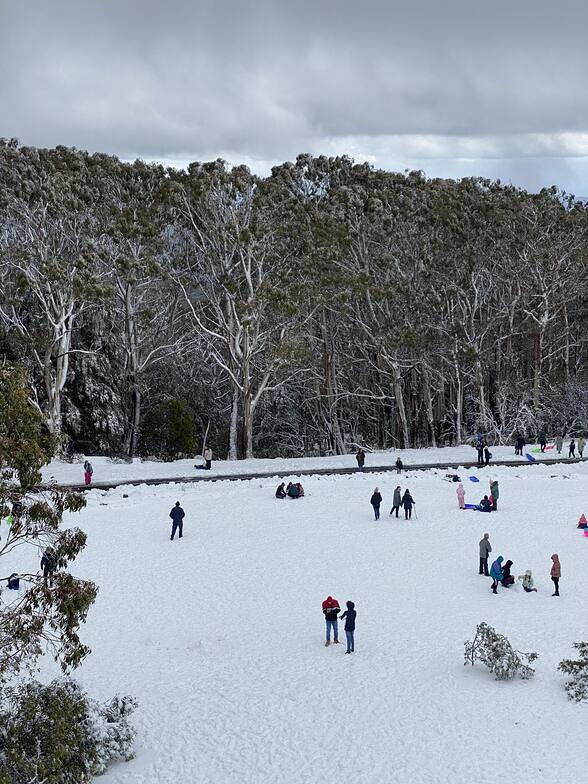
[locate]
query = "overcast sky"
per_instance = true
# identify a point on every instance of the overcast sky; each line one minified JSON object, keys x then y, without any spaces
{"x":453,"y":87}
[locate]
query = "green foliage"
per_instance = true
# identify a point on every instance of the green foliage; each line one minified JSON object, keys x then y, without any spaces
{"x":577,"y":669}
{"x":496,"y":652}
{"x":167,"y":431}
{"x":44,"y":616}
{"x":56,"y":734}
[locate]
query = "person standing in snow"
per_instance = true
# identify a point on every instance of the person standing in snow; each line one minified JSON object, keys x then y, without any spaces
{"x":407,"y":503}
{"x":559,"y":444}
{"x":360,"y":457}
{"x":480,"y":449}
{"x":572,"y":449}
{"x":460,"y":492}
{"x":207,"y":458}
{"x":581,"y":445}
{"x":375,"y":501}
{"x":555,"y":573}
{"x":399,"y":465}
{"x":88,"y":472}
{"x":519,"y":445}
{"x":396,"y":500}
{"x":48,"y":565}
{"x":494,"y":492}
{"x":331,"y":610}
{"x":485,"y":550}
{"x":496,"y":573}
{"x":349,"y":615}
{"x":542,"y":441}
{"x":177,"y":515}
{"x":487,"y":455}
{"x":527,"y":580}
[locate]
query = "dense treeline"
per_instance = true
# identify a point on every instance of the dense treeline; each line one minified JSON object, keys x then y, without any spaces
{"x":326,"y":305}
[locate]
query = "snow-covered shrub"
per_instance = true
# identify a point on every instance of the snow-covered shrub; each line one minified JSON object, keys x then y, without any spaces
{"x":496,"y":652}
{"x":577,"y":669}
{"x":56,"y":734}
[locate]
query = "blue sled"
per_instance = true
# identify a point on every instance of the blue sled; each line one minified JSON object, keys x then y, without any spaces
{"x":530,"y":457}
{"x":474,"y":479}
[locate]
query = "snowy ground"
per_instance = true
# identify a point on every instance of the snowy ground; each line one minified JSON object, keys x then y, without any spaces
{"x":220,"y":635}
{"x":105,"y":470}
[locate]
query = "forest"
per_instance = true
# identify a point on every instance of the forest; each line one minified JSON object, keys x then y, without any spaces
{"x":325,"y":306}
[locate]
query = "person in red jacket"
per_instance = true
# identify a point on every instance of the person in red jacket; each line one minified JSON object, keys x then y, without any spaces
{"x":331,"y":610}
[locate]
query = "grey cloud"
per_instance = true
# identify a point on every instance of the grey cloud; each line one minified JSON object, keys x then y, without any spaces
{"x":262,"y":81}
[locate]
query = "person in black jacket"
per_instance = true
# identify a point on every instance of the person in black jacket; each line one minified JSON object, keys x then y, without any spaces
{"x":360,"y":457}
{"x":177,"y":515}
{"x":281,"y":491}
{"x":407,"y":503}
{"x":349,"y":616}
{"x":507,"y":578}
{"x":49,"y":565}
{"x":375,"y":501}
{"x":399,"y":465}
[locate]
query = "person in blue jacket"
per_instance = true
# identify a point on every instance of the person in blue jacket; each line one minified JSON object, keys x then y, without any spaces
{"x":496,"y":573}
{"x":177,"y":515}
{"x":349,"y":615}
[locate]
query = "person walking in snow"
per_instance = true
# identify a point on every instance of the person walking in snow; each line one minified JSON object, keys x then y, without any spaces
{"x":375,"y":501}
{"x":572,"y":449}
{"x":555,"y":573}
{"x":460,"y":492}
{"x":542,"y":441}
{"x":360,"y":457}
{"x":177,"y":515}
{"x":349,"y":615}
{"x":399,"y":465}
{"x":485,"y":550}
{"x":507,"y":578}
{"x":494,"y":492}
{"x":88,"y":472}
{"x":581,"y":445}
{"x":527,"y":581}
{"x":407,"y":502}
{"x":558,"y":444}
{"x":496,"y":573}
{"x":331,"y":610}
{"x":396,"y":500}
{"x":49,"y":565}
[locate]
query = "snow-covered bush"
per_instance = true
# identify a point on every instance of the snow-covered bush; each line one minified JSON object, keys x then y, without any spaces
{"x":56,"y":734}
{"x":496,"y":652}
{"x":577,"y":669}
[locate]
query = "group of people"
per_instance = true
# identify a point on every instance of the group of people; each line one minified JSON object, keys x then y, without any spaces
{"x":331,"y":611}
{"x":360,"y":457}
{"x":488,"y":504}
{"x":207,"y":455}
{"x":520,"y":444}
{"x":405,"y":501}
{"x":292,"y":490}
{"x":484,"y":453}
{"x":500,"y":571}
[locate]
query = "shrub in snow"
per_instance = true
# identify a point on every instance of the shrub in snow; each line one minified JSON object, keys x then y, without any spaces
{"x":577,"y":669}
{"x":56,"y":734}
{"x":496,"y":652}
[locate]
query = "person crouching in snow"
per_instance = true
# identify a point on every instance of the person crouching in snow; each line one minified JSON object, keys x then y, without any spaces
{"x":527,"y":581}
{"x":507,"y":578}
{"x":555,"y":573}
{"x":331,"y":610}
{"x":281,"y":491}
{"x":349,"y":616}
{"x":375,"y":501}
{"x":460,"y":496}
{"x":496,"y":573}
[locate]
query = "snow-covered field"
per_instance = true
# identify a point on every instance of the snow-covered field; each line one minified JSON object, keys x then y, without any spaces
{"x":220,"y":635}
{"x":106,"y":471}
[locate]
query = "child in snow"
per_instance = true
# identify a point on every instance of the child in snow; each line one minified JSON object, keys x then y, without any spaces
{"x":572,"y":450}
{"x":485,"y":550}
{"x":349,"y":616}
{"x":559,"y":444}
{"x":542,"y":441}
{"x":331,"y":610}
{"x":494,"y":492}
{"x":555,"y":573}
{"x":375,"y":501}
{"x":399,"y":465}
{"x":460,"y":492}
{"x":487,"y":455}
{"x":88,"y":472}
{"x":496,"y":573}
{"x":281,"y":492}
{"x":507,"y":578}
{"x":396,"y":500}
{"x":527,"y":580}
{"x":407,"y":503}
